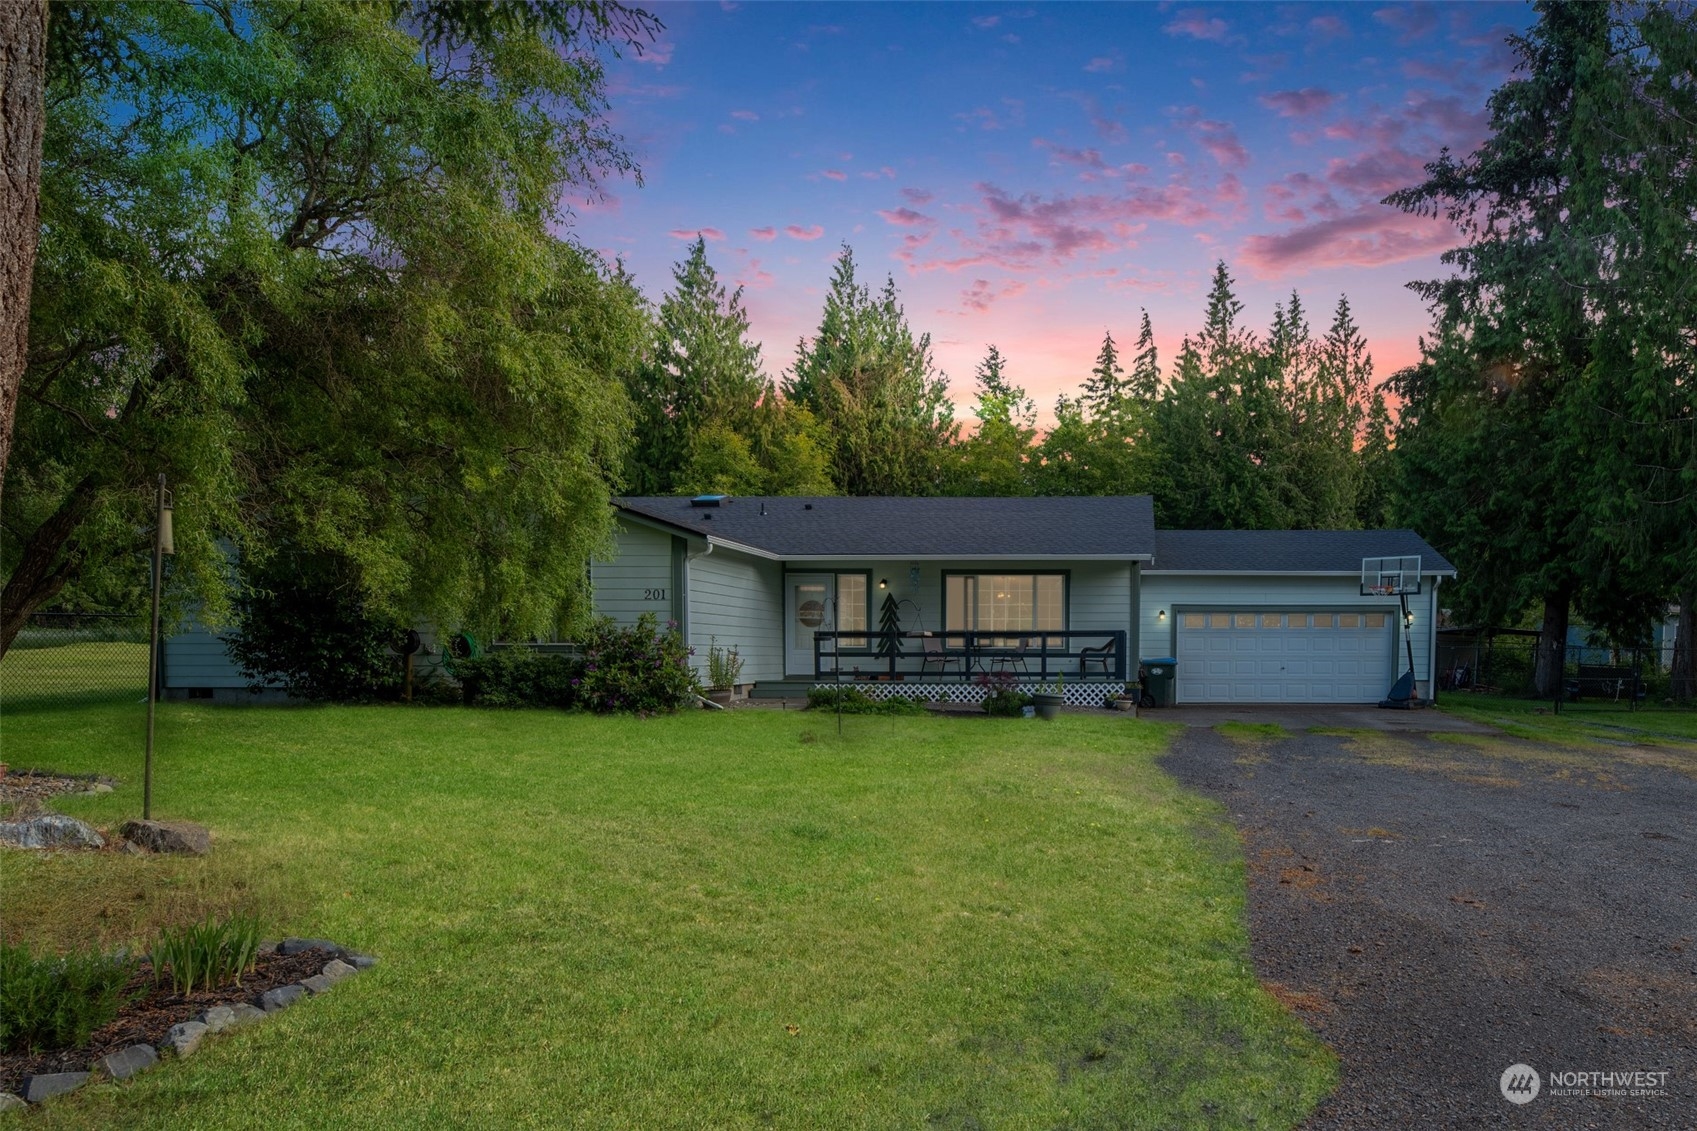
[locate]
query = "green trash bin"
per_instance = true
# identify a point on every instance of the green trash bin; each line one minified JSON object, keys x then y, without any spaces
{"x":1158,"y":677}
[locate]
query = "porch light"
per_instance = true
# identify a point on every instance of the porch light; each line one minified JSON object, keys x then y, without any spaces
{"x":1162,"y":615}
{"x":883,"y":583}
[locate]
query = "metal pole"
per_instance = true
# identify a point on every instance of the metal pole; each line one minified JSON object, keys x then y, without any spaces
{"x":153,"y":650}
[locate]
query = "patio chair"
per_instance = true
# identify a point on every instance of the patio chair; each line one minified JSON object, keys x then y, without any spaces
{"x":1101,"y":654}
{"x":1011,"y":654}
{"x":936,"y":651}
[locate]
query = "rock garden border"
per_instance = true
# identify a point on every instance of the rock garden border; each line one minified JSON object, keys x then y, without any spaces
{"x":185,"y":1037}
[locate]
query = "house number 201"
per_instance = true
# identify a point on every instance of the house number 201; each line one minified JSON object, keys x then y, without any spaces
{"x":653,"y":594}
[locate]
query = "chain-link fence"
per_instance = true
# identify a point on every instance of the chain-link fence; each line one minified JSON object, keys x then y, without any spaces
{"x":1594,"y":677}
{"x":69,"y":658}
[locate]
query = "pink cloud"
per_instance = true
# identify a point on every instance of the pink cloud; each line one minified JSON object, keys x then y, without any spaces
{"x":745,"y":115}
{"x":905,"y":217}
{"x":1298,"y":103}
{"x":1197,"y":25}
{"x":917,"y":196}
{"x":1102,"y":64}
{"x":694,"y":233}
{"x":754,"y":277}
{"x":1411,"y":21}
{"x":834,"y":175}
{"x":797,"y":232}
{"x":982,"y":294}
{"x":1328,"y":27}
{"x":1220,"y":140}
{"x":656,"y":54}
{"x":982,"y":116}
{"x":766,"y":235}
{"x":1370,"y":236}
{"x":985,"y":22}
{"x":1084,"y":158}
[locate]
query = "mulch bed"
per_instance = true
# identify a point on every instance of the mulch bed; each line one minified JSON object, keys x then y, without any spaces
{"x":148,"y":1017}
{"x":31,"y":787}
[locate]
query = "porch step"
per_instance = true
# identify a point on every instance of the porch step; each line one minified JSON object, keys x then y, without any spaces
{"x":781,"y":689}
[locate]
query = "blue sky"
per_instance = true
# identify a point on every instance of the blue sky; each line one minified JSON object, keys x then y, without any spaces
{"x":1033,"y":174}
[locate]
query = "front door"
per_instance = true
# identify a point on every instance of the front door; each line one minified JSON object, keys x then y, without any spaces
{"x":810,"y":599}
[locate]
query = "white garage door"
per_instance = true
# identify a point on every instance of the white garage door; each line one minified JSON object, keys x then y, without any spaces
{"x":1290,"y":657}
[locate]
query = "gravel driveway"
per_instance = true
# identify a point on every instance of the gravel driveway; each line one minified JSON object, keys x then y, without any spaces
{"x":1440,"y":907}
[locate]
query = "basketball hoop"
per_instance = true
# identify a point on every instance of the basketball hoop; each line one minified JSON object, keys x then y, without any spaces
{"x":1390,"y":577}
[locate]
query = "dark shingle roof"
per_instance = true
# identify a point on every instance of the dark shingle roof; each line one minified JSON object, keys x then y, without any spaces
{"x":1120,"y":526}
{"x":1288,"y":551}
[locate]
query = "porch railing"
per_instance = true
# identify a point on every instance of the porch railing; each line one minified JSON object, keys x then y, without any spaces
{"x":865,"y":654}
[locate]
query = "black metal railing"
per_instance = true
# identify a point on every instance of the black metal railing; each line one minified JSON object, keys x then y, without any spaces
{"x":1041,"y":654}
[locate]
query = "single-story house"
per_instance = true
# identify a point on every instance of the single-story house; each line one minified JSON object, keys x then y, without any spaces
{"x":991,"y":590}
{"x":1023,"y":589}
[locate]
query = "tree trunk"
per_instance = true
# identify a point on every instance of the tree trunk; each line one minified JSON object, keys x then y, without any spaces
{"x":49,"y":559}
{"x":1552,"y":647}
{"x":1683,"y":685}
{"x":23,"y":83}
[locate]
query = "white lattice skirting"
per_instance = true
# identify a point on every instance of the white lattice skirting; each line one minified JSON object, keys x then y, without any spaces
{"x":1076,"y":694}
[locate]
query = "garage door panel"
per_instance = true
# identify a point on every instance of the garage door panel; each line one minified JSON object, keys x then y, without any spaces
{"x":1233,"y":656}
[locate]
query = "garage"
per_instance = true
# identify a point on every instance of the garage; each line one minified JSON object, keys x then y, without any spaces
{"x":1288,"y":656}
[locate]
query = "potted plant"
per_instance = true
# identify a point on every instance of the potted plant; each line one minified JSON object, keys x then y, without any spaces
{"x":724,"y":668}
{"x":1125,"y":700}
{"x":1049,"y":701}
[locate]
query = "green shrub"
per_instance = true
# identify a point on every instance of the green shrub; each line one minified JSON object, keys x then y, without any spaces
{"x":520,"y":677}
{"x":854,"y":701}
{"x":643,"y":668}
{"x":302,"y":624}
{"x":52,"y":1002}
{"x":208,"y":954}
{"x":1007,"y":704}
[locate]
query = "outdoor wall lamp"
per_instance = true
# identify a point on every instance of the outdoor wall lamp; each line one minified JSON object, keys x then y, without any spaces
{"x":1162,"y":615}
{"x":883,"y":583}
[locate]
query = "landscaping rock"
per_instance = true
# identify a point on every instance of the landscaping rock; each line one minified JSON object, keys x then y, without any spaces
{"x":267,"y":947}
{"x":295,"y":946}
{"x":125,"y":1063}
{"x":246,"y":1015}
{"x":98,"y":787}
{"x":318,"y":983}
{"x":183,"y":838}
{"x":185,"y":1037}
{"x":282,"y":997}
{"x":50,"y":830}
{"x":336,"y":970}
{"x":361,"y":961}
{"x":9,"y":1102}
{"x":218,"y":1018}
{"x":53,"y":1084}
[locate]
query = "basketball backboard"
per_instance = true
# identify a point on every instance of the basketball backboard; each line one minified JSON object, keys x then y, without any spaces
{"x":1390,"y":577}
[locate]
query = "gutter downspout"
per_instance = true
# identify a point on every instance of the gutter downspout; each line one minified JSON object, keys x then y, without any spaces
{"x":1432,"y":640}
{"x":684,"y":610}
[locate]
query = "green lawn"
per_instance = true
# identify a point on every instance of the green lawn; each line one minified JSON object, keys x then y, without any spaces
{"x":707,"y":920}
{"x":64,"y":674}
{"x":1578,"y":724}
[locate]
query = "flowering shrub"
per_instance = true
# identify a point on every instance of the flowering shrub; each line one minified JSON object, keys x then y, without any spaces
{"x":643,"y":668}
{"x":1001,"y":696}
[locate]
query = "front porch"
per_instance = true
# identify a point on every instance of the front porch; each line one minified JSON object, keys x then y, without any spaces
{"x":959,"y":666}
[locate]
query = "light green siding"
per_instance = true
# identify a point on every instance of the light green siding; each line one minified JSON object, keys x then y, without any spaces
{"x":196,"y":657}
{"x":738,"y":600}
{"x":640,"y":577}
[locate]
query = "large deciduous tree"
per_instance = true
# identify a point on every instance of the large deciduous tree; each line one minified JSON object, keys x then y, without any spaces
{"x":300,"y":259}
{"x":23,"y":76}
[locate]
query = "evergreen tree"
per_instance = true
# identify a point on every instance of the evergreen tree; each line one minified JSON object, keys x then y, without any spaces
{"x":872,"y":384}
{"x":1105,"y":388}
{"x":992,"y":461}
{"x":1145,"y":380}
{"x":701,"y":370}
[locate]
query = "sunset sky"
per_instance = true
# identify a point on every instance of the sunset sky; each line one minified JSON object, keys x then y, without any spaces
{"x":1032,"y":174}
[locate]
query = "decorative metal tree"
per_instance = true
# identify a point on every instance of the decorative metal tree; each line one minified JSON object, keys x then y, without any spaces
{"x":889,"y":628}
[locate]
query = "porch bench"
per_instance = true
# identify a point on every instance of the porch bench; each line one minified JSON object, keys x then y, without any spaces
{"x":1606,"y":682}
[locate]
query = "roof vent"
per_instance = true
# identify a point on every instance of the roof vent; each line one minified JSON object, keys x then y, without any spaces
{"x":709,"y":500}
{"x":807,"y":506}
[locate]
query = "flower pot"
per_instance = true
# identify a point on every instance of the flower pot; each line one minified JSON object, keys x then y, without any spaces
{"x":1123,"y":704}
{"x":1047,"y":705}
{"x":722,"y":696}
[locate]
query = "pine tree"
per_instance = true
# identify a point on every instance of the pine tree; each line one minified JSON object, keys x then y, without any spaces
{"x":1145,"y":381}
{"x":1105,"y":388}
{"x":993,"y":460}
